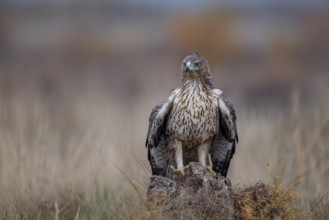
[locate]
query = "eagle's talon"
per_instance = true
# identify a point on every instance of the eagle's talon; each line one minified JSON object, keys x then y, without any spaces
{"x":209,"y":168}
{"x":180,"y":170}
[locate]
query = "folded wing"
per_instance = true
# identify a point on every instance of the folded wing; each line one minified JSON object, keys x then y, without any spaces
{"x":223,"y":144}
{"x":156,"y":140}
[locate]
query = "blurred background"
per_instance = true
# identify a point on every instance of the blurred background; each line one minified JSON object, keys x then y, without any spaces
{"x":78,"y":80}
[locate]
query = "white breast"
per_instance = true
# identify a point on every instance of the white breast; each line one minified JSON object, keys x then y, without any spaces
{"x":193,"y":119}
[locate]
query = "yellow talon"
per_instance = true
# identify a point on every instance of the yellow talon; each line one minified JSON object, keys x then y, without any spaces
{"x":209,"y":168}
{"x":181,"y":170}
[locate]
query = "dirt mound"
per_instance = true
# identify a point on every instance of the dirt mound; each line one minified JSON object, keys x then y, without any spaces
{"x":200,"y":194}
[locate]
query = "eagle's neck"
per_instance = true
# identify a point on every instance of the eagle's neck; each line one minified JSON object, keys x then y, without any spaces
{"x":197,"y":84}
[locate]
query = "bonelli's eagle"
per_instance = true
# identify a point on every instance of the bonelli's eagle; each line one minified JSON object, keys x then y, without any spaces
{"x":195,"y":123}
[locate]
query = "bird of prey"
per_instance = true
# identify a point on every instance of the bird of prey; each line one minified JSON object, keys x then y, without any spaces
{"x":195,"y":123}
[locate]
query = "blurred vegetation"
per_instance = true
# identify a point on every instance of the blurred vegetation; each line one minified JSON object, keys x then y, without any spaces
{"x":77,"y":84}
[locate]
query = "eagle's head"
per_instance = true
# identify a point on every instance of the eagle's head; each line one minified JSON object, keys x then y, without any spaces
{"x":195,"y":66}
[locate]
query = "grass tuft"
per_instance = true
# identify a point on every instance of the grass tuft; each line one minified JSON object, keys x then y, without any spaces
{"x":268,"y":201}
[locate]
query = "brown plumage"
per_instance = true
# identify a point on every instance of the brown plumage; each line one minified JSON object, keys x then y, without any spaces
{"x":194,"y":124}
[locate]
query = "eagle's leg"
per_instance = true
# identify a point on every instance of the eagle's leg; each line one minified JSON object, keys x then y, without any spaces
{"x":209,"y":167}
{"x":179,"y":157}
{"x":203,"y":153}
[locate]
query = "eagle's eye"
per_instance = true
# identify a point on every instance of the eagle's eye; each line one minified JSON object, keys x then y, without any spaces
{"x":197,"y":63}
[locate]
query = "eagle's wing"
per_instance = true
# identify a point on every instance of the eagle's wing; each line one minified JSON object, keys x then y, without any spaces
{"x":156,"y":142}
{"x":223,"y":144}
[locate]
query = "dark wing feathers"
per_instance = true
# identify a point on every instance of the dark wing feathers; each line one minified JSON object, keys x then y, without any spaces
{"x":157,"y":123}
{"x":223,"y":144}
{"x":156,"y":144}
{"x":152,"y":117}
{"x":228,"y":121}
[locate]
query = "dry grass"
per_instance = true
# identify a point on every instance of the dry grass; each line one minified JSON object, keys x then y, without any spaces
{"x":268,"y":201}
{"x":65,"y":157}
{"x":60,"y":166}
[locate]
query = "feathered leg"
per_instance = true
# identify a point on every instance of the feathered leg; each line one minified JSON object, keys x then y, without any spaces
{"x":179,"y":154}
{"x":179,"y":157}
{"x":203,"y":153}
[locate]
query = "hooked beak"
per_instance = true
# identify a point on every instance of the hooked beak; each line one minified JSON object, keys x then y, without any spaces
{"x":187,"y":66}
